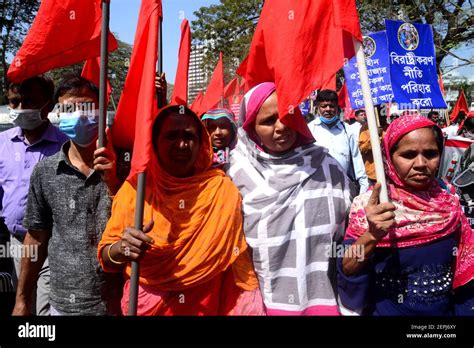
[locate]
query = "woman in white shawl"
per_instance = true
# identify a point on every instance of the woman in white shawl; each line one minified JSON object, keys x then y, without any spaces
{"x":295,"y":200}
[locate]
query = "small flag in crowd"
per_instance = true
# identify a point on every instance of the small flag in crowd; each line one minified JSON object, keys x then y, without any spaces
{"x":461,"y":105}
{"x":180,"y":90}
{"x":91,"y":72}
{"x":215,"y":89}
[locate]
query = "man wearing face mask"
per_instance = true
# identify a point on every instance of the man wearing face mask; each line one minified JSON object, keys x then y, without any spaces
{"x":69,"y":203}
{"x":330,"y":132}
{"x":33,"y":139}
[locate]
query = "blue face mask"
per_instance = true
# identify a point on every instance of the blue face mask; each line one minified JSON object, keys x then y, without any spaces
{"x":328,"y":121}
{"x":81,"y":127}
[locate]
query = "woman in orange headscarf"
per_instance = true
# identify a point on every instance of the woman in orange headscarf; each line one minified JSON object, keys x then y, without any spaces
{"x":192,"y":252}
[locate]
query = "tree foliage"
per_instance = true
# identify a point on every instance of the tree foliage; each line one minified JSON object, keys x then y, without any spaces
{"x":16,"y":17}
{"x":452,"y":20}
{"x":119,"y":61}
{"x":228,"y":28}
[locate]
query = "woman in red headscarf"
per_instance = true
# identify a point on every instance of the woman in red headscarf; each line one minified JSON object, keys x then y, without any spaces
{"x":192,"y":252}
{"x":416,"y":248}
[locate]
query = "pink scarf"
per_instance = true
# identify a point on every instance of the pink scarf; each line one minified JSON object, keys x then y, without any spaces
{"x":422,"y":216}
{"x":251,"y":104}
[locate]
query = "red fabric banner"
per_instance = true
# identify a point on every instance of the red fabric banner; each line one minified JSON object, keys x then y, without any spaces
{"x":180,"y":90}
{"x":461,"y":105}
{"x":63,"y":33}
{"x":344,"y":102}
{"x":138,"y":106}
{"x":215,"y":89}
{"x":300,"y":45}
{"x":91,"y":72}
{"x":196,"y":105}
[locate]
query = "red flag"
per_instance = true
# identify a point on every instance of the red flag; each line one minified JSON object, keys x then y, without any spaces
{"x":461,"y":105}
{"x":344,"y":102}
{"x":196,"y":105}
{"x":300,"y":45}
{"x":63,"y":33}
{"x":441,"y":84}
{"x":215,"y":89}
{"x":91,"y":72}
{"x":330,"y":83}
{"x":242,"y":87}
{"x":232,"y":88}
{"x":233,"y":96}
{"x":180,"y":90}
{"x":137,"y":107}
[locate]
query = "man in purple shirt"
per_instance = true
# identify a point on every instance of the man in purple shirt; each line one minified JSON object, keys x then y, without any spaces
{"x":21,"y":148}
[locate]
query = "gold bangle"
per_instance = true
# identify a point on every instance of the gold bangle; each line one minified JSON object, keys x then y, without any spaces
{"x":110,"y":257}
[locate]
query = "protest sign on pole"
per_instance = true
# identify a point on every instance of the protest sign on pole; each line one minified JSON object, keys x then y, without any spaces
{"x":372,"y":123}
{"x":376,"y":60}
{"x":413,"y":65}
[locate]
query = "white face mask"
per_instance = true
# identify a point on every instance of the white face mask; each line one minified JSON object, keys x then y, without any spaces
{"x":27,"y":118}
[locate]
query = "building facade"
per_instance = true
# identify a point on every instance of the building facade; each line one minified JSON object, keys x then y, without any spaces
{"x":197,"y":77}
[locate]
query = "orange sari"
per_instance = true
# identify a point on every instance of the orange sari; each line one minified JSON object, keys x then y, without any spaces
{"x":199,"y":254}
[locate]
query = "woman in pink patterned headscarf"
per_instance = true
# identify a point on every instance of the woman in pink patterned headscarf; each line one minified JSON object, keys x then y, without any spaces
{"x":409,"y":253}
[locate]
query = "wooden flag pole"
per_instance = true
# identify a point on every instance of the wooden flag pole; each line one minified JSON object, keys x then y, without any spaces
{"x":372,"y":123}
{"x":377,"y":119}
{"x":104,"y":61}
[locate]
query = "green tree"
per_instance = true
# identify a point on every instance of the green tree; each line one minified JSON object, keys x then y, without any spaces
{"x":227,"y":27}
{"x":119,"y":61}
{"x":452,"y":21}
{"x":16,"y":17}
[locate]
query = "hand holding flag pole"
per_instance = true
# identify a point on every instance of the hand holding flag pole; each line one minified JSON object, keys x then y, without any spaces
{"x":147,"y":100}
{"x":371,"y":120}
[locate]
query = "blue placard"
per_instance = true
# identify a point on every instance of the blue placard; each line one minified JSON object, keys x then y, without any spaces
{"x":413,"y":65}
{"x":304,"y":107}
{"x":376,"y":59}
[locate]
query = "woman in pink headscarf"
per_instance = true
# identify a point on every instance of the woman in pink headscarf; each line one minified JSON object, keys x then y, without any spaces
{"x":416,"y":248}
{"x":295,"y":198}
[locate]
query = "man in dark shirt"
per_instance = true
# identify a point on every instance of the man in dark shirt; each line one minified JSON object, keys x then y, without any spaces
{"x":69,"y":203}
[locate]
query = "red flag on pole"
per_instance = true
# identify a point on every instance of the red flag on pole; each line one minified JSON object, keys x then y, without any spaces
{"x":461,"y":105}
{"x":138,"y":106}
{"x":330,"y":83}
{"x":232,"y":88}
{"x":344,"y":102}
{"x":441,"y":84}
{"x":180,"y":90}
{"x":300,"y":45}
{"x":233,"y":96}
{"x":91,"y":72}
{"x":63,"y":33}
{"x":196,"y":105}
{"x":215,"y":89}
{"x":242,"y":87}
